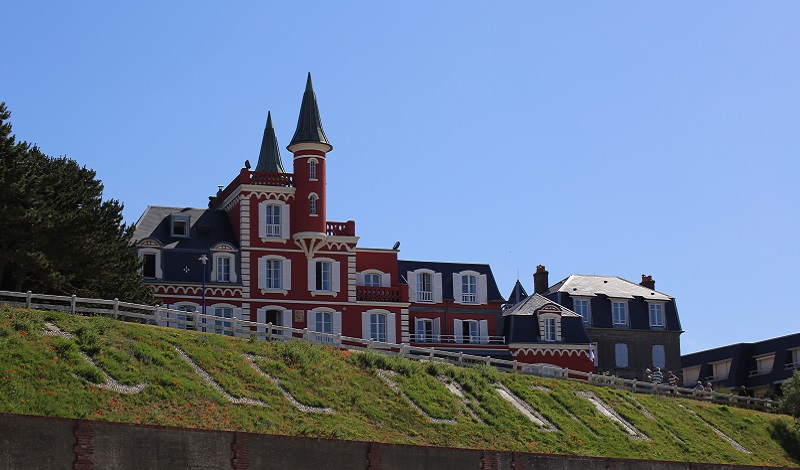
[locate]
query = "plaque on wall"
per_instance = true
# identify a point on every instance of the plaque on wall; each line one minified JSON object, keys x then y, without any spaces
{"x":299,"y":315}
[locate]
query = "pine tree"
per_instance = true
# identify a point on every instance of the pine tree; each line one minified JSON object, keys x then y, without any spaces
{"x":57,"y":235}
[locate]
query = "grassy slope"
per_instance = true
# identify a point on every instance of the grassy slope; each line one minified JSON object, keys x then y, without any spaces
{"x":45,"y":375}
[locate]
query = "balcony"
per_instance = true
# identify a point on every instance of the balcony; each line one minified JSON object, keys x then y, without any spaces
{"x":264,"y":178}
{"x":377,"y":294}
{"x":340,"y":229}
{"x":451,"y":339}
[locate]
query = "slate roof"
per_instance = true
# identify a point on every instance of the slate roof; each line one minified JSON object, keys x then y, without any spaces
{"x":517,"y":294}
{"x":611,"y":286}
{"x":533,"y":303}
{"x":269,"y":159}
{"x":207,"y":227}
{"x":447,"y":270}
{"x":309,"y":124}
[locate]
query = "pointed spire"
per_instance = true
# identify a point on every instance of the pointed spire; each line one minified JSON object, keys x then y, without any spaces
{"x":309,"y":125}
{"x":270,"y":157}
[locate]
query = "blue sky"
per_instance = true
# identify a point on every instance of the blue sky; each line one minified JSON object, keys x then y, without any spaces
{"x":613,"y":138}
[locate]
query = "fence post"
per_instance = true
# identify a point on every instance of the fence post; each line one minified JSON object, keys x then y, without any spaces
{"x":196,"y":320}
{"x":155,"y":314}
{"x":116,"y":308}
{"x":433,"y":351}
{"x":269,"y":331}
{"x":633,"y":385}
{"x":369,"y":343}
{"x":461,"y":358}
{"x":305,"y":333}
{"x":403,"y":350}
{"x":28,"y":299}
{"x":234,"y":325}
{"x":566,"y":372}
{"x":338,"y":339}
{"x":72,"y":304}
{"x":516,"y":366}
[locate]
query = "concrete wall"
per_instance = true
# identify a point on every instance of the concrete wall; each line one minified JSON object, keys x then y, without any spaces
{"x":33,"y":442}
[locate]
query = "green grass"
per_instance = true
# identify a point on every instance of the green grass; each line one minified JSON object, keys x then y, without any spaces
{"x":46,"y":375}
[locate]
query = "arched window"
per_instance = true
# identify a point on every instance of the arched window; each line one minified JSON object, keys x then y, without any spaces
{"x":312,"y":205}
{"x":312,"y":169}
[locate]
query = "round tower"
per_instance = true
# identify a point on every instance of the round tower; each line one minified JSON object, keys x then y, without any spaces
{"x":309,"y":146}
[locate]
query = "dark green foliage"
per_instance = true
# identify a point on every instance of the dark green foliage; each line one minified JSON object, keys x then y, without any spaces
{"x":790,"y":402}
{"x":57,"y":235}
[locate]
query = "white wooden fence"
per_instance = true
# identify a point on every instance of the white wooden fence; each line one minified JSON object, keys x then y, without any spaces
{"x":157,"y":315}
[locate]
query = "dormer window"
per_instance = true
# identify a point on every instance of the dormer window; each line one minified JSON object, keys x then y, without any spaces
{"x":424,"y":287}
{"x":179,"y":226}
{"x":656,"y":315}
{"x":549,"y":329}
{"x":583,"y":308}
{"x":619,"y":310}
{"x":469,"y":287}
{"x":550,"y":323}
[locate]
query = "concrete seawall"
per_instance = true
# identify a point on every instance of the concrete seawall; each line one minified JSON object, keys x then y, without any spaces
{"x":33,"y":442}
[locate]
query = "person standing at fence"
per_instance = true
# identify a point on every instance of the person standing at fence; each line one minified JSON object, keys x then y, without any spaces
{"x":658,"y":377}
{"x":648,"y":375}
{"x":699,"y":390}
{"x":743,"y":394}
{"x":672,"y":379}
{"x":709,"y":391}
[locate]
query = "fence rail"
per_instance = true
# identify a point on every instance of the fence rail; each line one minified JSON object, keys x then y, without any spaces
{"x":161,"y":316}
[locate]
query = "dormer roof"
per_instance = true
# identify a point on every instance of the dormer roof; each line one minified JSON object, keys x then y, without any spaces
{"x":534,"y":303}
{"x":612,"y":286}
{"x":309,"y":124}
{"x":269,"y":159}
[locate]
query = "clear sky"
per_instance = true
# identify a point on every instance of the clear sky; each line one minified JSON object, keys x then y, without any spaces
{"x":614,"y":138}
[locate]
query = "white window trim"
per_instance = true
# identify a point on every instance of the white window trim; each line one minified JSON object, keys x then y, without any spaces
{"x":313,"y":163}
{"x":315,"y":198}
{"x":714,"y":375}
{"x":177,"y":306}
{"x":236,"y":312}
{"x":286,"y":274}
{"x":588,"y":301}
{"x":436,"y":286}
{"x":232,"y":258}
{"x":286,"y":318}
{"x":663,"y":305}
{"x":335,"y":277}
{"x":554,"y":316}
{"x":386,"y":278}
{"x":627,"y":312}
{"x":152,"y":251}
{"x":262,"y":221}
{"x":391,"y":326}
{"x":179,"y":218}
{"x":481,"y":288}
{"x":336,"y":321}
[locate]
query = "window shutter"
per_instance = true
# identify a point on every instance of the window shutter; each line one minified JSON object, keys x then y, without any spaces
{"x":621,"y":352}
{"x":658,"y":356}
{"x":261,"y":314}
{"x":458,"y":328}
{"x":286,"y":319}
{"x":437,"y":288}
{"x":436,"y":329}
{"x":262,"y":219}
{"x":285,"y":233}
{"x":483,"y":290}
{"x":483,"y":329}
{"x":237,"y":314}
{"x":457,"y":289}
{"x":419,"y":329}
{"x":335,"y":276}
{"x":262,"y":273}
{"x":365,"y":331}
{"x":286,"y":274}
{"x":337,"y":323}
{"x":312,"y":275}
{"x":391,"y":328}
{"x":359,"y":279}
{"x":386,"y":280}
{"x":412,"y":286}
{"x":213,"y":277}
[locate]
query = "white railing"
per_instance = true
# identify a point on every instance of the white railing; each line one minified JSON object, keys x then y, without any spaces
{"x":272,"y":230}
{"x":467,"y":339}
{"x":242,"y":328}
{"x":424,"y":296}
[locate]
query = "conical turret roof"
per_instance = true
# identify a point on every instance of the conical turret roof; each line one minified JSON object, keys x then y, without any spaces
{"x":270,"y":157}
{"x":309,"y":125}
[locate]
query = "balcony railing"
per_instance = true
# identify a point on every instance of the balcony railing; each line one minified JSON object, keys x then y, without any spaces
{"x":377,"y":294}
{"x":792,"y":365}
{"x":763,"y":371}
{"x":341,"y":229}
{"x":424,"y":296}
{"x":440,"y":339}
{"x":265,"y":178}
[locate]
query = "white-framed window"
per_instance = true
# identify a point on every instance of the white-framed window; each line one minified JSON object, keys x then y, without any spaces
{"x":276,"y":315}
{"x":656,"y":315}
{"x":621,"y":355}
{"x":312,"y":169}
{"x":273,"y":220}
{"x":619,"y":309}
{"x":550,"y":329}
{"x":379,"y":324}
{"x":312,"y":204}
{"x":469,"y":287}
{"x":795,"y":358}
{"x":659,"y":356}
{"x":372,"y":280}
{"x":721,"y":369}
{"x":691,"y":375}
{"x":179,"y":226}
{"x":325,"y":320}
{"x":182,"y":319}
{"x":274,"y":274}
{"x":471,"y":331}
{"x":424,"y":287}
{"x":324,"y":276}
{"x":223,"y":263}
{"x":151,"y":263}
{"x":582,"y":307}
{"x":226,"y":313}
{"x":426,"y":330}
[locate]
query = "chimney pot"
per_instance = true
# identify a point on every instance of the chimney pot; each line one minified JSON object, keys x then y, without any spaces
{"x":540,"y":280}
{"x":648,"y":282}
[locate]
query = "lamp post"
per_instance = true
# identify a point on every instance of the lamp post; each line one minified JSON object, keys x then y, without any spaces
{"x":204,"y":260}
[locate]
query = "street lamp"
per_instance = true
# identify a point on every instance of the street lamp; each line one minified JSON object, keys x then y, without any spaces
{"x":204,"y":259}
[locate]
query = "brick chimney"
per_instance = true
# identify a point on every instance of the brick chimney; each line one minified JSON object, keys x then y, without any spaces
{"x":540,"y":282}
{"x":648,"y":282}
